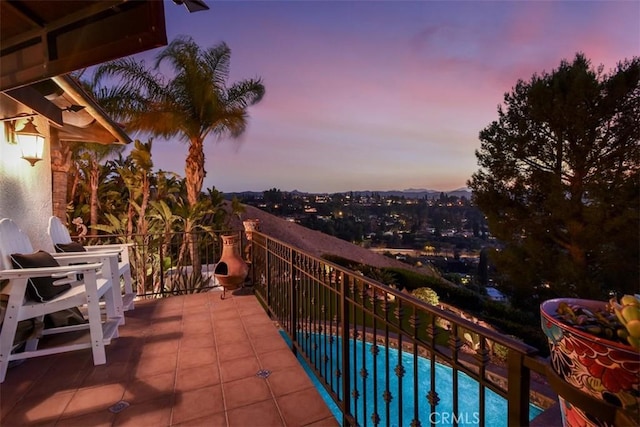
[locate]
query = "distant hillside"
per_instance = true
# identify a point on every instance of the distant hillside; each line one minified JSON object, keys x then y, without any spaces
{"x":315,"y":242}
{"x":411,"y":193}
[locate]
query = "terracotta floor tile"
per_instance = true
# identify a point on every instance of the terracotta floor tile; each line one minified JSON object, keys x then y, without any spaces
{"x":165,"y":315}
{"x":162,"y":344}
{"x":122,"y":349}
{"x":72,"y":366}
{"x":303,"y":407}
{"x":197,"y":377}
{"x":218,"y":419}
{"x":196,"y":318}
{"x":197,"y":328}
{"x":199,"y":403}
{"x":327,"y":422}
{"x":267,"y":344}
{"x":154,"y":364}
{"x":193,"y":341}
{"x":155,"y":412}
{"x":163,"y":328}
{"x":135,"y":324}
{"x":219,"y":314}
{"x":278,"y":359}
{"x":199,"y":302}
{"x":94,"y":419}
{"x":16,"y":386}
{"x":286,"y":381}
{"x":189,"y":358}
{"x":108,"y":373}
{"x":168,"y":364}
{"x":264,"y":414}
{"x":233,"y":324}
{"x":234,"y":350}
{"x":239,"y":368}
{"x":230,"y":335}
{"x":41,"y":410}
{"x":263,"y":331}
{"x":245,"y":392}
{"x":30,"y":371}
{"x":173,"y":308}
{"x":252,"y":314}
{"x":7,"y":402}
{"x":256,"y":319}
{"x":94,"y":399}
{"x":50,"y":381}
{"x":149,"y":388}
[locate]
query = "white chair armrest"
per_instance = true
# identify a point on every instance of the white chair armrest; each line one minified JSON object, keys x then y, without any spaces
{"x":18,"y":273}
{"x":110,"y":246}
{"x":83,"y":256}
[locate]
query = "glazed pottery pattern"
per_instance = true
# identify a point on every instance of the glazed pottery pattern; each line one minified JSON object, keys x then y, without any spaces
{"x":596,"y":366}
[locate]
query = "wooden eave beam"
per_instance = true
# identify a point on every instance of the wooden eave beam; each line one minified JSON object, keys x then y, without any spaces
{"x":78,"y":96}
{"x":91,"y":35}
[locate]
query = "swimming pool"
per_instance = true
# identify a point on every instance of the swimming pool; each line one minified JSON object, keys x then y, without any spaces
{"x":468,"y":401}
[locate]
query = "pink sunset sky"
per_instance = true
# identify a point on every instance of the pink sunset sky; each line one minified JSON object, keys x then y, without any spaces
{"x":382,"y":95}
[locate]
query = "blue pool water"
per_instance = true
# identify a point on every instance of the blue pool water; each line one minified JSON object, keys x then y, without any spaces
{"x":468,"y":391}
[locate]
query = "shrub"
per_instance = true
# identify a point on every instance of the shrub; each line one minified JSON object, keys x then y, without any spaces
{"x":427,"y":295}
{"x":505,"y":318}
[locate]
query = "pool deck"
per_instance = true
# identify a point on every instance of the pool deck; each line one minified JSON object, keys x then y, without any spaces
{"x":182,"y":361}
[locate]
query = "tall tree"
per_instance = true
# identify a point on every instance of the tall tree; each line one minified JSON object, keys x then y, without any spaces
{"x":92,"y":156}
{"x":558,"y":180}
{"x":191,"y":104}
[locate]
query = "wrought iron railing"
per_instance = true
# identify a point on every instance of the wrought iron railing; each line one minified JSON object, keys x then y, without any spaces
{"x":161,"y":264}
{"x":383,"y":355}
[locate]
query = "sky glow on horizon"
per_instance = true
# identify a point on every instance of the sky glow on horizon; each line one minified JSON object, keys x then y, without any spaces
{"x":381,"y":95}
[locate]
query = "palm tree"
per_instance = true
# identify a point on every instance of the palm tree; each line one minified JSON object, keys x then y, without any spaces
{"x":91,"y":158}
{"x":193,"y":104}
{"x":136,"y":174}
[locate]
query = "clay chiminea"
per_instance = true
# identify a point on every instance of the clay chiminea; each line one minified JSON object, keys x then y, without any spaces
{"x":231,"y":270}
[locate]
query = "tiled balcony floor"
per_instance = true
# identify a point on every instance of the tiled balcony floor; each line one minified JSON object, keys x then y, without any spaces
{"x":179,"y":361}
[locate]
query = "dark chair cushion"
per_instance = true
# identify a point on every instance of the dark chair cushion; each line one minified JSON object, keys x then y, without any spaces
{"x":39,"y":289}
{"x":69,"y":247}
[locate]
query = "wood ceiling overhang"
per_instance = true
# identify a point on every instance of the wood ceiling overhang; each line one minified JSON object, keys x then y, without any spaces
{"x":43,"y":40}
{"x":40,"y":39}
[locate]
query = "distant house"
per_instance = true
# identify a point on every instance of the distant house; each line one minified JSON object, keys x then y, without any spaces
{"x":496,"y":295}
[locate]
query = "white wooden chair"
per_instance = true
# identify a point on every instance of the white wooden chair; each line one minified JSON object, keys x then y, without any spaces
{"x":59,"y":234}
{"x":95,"y":283}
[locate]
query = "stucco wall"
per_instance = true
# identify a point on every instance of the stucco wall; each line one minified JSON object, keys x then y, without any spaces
{"x":25,"y":191}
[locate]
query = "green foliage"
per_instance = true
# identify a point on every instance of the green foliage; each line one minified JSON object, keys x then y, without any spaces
{"x":411,"y":280}
{"x":187,"y":282}
{"x":131,"y":212}
{"x":559,"y":185}
{"x":508,"y":319}
{"x":500,"y":351}
{"x":381,"y":275}
{"x":472,"y":339}
{"x":115,"y":226}
{"x":195,"y":101}
{"x":427,"y":295}
{"x":237,"y":208}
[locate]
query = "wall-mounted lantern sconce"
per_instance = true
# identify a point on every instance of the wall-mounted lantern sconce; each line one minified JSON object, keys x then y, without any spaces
{"x":31,"y":142}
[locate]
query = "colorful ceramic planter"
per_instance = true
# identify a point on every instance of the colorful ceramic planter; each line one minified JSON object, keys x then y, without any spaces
{"x":598,"y":367}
